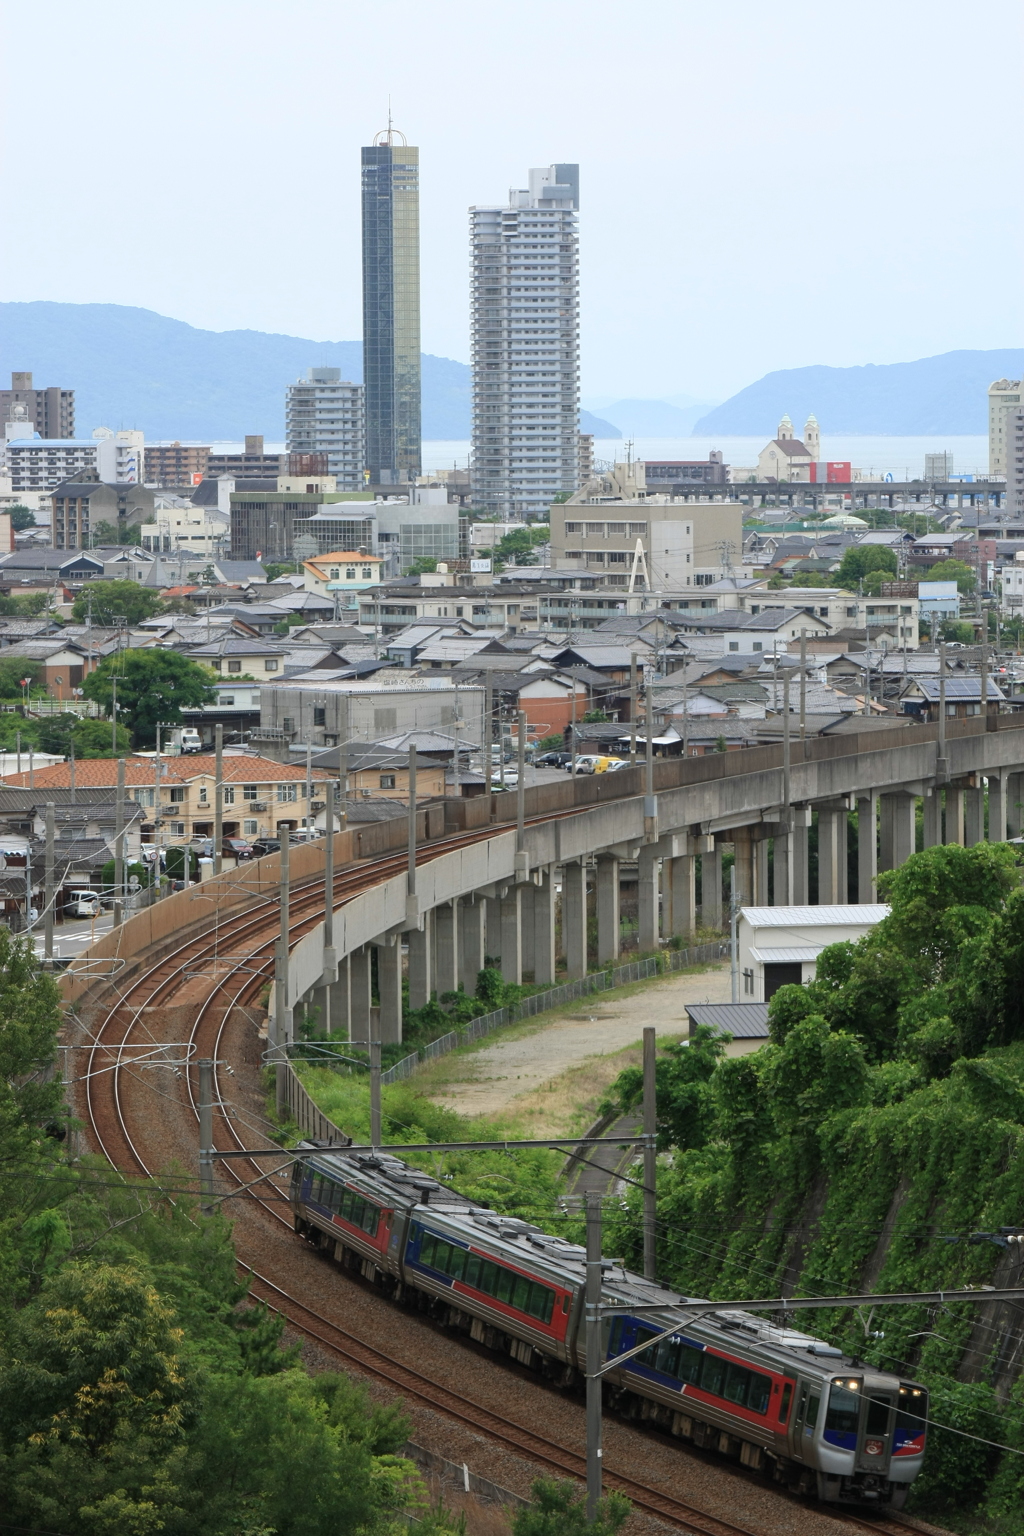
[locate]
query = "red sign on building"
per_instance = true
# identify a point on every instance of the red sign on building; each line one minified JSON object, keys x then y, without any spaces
{"x":834,"y":472}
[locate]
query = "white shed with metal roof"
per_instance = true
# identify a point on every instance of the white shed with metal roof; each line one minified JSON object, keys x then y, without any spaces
{"x":781,"y":945}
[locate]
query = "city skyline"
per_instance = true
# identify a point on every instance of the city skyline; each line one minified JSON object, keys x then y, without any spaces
{"x":691,"y":242}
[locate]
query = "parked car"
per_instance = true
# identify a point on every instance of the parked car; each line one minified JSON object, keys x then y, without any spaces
{"x":85,"y":904}
{"x":616,"y":763}
{"x":584,"y":763}
{"x":264,"y":845}
{"x":607,"y":764}
{"x":236,"y":848}
{"x":552,"y":759}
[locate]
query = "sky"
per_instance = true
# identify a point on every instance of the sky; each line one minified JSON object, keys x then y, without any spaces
{"x":762,"y":186}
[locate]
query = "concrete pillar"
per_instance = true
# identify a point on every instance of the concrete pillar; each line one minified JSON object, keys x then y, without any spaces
{"x":574,"y":917}
{"x":679,"y":877}
{"x":421,"y":968}
{"x":742,"y":869}
{"x":931,"y":806}
{"x":472,"y":916}
{"x":446,"y":947}
{"x":782,"y":870}
{"x":760,"y":853}
{"x":974,"y":816}
{"x":867,"y":847}
{"x":828,"y":858}
{"x":997,"y":785}
{"x":493,"y":927}
{"x":898,"y":829}
{"x":954,"y":829}
{"x":544,"y":929}
{"x":336,"y":1013}
{"x":526,"y":896}
{"x":607,"y":907}
{"x":389,"y":985}
{"x":648,"y":865}
{"x":359,"y":1015}
{"x":1014,"y":795}
{"x":711,"y":889}
{"x":511,"y":936}
{"x":800,"y":893}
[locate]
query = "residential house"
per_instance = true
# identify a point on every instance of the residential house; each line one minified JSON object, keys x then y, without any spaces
{"x":920,"y":697}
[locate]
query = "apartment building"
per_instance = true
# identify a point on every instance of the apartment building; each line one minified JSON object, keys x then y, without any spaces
{"x":79,"y":506}
{"x":502,"y":606}
{"x":261,"y":797}
{"x":327,"y":712}
{"x":1004,"y":400}
{"x":324,"y":416}
{"x":38,"y":464}
{"x":176,"y":464}
{"x":525,"y":345}
{"x":391,"y":307}
{"x":50,"y":412}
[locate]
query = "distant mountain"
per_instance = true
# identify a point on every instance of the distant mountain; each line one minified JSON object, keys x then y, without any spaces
{"x":134,"y":368}
{"x":597,"y":424}
{"x":656,"y":418}
{"x":935,"y":395}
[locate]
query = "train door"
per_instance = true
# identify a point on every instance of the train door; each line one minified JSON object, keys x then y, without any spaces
{"x":805,"y":1419}
{"x":874,"y":1445}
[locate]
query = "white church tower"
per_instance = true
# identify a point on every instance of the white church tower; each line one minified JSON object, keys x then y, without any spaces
{"x":785,"y":429}
{"x":812,"y":437}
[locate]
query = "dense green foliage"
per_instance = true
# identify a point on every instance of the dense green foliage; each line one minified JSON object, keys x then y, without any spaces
{"x":140,"y":1391}
{"x":153,"y":686}
{"x":56,"y":733}
{"x":954,"y":570}
{"x":859,"y":559}
{"x":21,"y":518}
{"x":560,"y":1509}
{"x":110,"y":600}
{"x":29,"y":605}
{"x":879,"y":1129}
{"x":520,"y":545}
{"x":13,"y":671}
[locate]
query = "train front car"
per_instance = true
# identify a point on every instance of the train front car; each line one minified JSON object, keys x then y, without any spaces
{"x":870,"y":1439}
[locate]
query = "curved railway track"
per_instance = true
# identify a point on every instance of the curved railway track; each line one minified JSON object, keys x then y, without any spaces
{"x":112,"y":1080}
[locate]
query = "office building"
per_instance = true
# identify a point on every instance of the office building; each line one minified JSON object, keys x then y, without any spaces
{"x":666,"y":475}
{"x":1003,"y":401}
{"x":938,"y":466}
{"x":391,"y":308}
{"x":176,"y":464}
{"x":266,"y":522}
{"x":251,"y":464}
{"x":324,"y":417}
{"x":525,"y":345}
{"x":616,"y":528}
{"x":50,"y":412}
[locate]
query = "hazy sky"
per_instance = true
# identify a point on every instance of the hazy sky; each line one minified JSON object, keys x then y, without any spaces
{"x":762,"y":186}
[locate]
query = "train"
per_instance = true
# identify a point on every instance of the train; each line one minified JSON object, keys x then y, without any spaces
{"x":778,"y":1401}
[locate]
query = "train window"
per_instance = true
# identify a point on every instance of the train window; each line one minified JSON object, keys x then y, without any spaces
{"x":800,"y":1409}
{"x":472,"y":1271}
{"x":565,"y":1302}
{"x":542,"y":1302}
{"x":649,"y":1355}
{"x":712,"y":1374}
{"x":912,"y":1410}
{"x":689,"y":1364}
{"x":843,"y":1409}
{"x":878,"y":1416}
{"x":758,"y":1393}
{"x":456,"y":1265}
{"x":506,"y":1283}
{"x":615,"y":1337}
{"x":489,"y":1278}
{"x":427,"y":1245}
{"x":521,"y":1293}
{"x":787,"y":1398}
{"x":813,"y":1404}
{"x":668,"y":1356}
{"x":737,"y":1379}
{"x":314,"y":1188}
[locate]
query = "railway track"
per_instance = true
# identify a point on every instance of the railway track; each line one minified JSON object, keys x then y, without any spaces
{"x":115,"y":1090}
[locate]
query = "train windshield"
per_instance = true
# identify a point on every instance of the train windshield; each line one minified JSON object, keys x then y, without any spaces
{"x":911,"y":1419}
{"x":843,"y":1414}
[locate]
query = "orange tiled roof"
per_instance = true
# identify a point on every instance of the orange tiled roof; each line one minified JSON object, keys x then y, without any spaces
{"x":101,"y":772}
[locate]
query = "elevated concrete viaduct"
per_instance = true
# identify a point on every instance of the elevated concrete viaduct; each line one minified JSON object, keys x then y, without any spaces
{"x":496,"y":896}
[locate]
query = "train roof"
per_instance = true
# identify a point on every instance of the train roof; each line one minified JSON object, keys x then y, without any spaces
{"x":523,"y":1241}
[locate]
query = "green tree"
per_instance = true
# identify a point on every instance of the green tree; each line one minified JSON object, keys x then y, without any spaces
{"x":560,"y":1509}
{"x":276,"y":568}
{"x":21,"y":518}
{"x":112,"y":599}
{"x":553,"y":743}
{"x":104,"y":533}
{"x":954,"y":570}
{"x":423,"y":565}
{"x":520,"y":545}
{"x":860,"y":559}
{"x":153,"y":686}
{"x":12,"y":672}
{"x":91,"y":738}
{"x":27,"y":606}
{"x":956,"y":630}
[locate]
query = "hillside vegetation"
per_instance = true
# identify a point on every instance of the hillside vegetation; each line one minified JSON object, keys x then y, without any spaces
{"x":877,"y":1143}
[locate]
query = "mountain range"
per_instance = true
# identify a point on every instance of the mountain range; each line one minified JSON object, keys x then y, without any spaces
{"x":131,"y":367}
{"x":929,"y":397}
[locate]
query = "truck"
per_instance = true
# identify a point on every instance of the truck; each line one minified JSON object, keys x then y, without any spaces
{"x":180,"y":739}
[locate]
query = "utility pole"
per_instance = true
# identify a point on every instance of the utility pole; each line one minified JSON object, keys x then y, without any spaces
{"x":375,"y":1134}
{"x":218,"y":797}
{"x":941,"y":754}
{"x":113,"y":713}
{"x":48,"y":886}
{"x":309,"y":785}
{"x":330,"y":958}
{"x":632,"y":708}
{"x":803,"y":690}
{"x":282,"y":1013}
{"x":734,"y":952}
{"x":984,"y":683}
{"x":592,"y":1316}
{"x":572,"y":744}
{"x":119,"y":843}
{"x":488,"y":726}
{"x":521,"y":784}
{"x":650,"y":1127}
{"x":206,"y":1134}
{"x":650,"y":804}
{"x":157,"y":818}
{"x":71,"y":769}
{"x":343,"y":785}
{"x":411,"y":866}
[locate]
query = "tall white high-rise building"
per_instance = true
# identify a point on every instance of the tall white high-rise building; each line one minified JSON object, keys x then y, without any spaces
{"x":525,"y":340}
{"x":324,"y":415}
{"x":1004,"y":401}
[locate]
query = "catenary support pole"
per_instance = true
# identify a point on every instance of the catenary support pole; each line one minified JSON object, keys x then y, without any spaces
{"x":632,"y":708}
{"x":206,"y":1134}
{"x":48,"y":886}
{"x":521,"y":784}
{"x":218,"y":797}
{"x":650,"y":1126}
{"x":593,"y":1349}
{"x":330,"y":959}
{"x":119,"y":844}
{"x":411,"y":875}
{"x":282,"y":1012}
